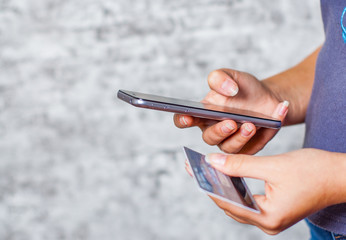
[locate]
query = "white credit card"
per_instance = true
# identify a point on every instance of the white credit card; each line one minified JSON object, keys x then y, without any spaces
{"x":230,"y":189}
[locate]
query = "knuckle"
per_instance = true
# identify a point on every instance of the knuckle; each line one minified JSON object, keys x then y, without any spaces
{"x":213,"y":135}
{"x":206,"y":138}
{"x":209,"y":138}
{"x":235,"y":74}
{"x":269,"y":232}
{"x":236,"y":163}
{"x":224,"y":148}
{"x":239,"y":142}
{"x":273,"y":226}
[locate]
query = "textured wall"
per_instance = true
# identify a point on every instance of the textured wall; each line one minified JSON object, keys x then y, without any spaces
{"x":75,"y":163}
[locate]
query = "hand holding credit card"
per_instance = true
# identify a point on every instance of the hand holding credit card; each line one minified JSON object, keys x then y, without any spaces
{"x":230,"y":189}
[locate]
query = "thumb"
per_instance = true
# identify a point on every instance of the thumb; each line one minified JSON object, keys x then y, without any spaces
{"x":223,"y":82}
{"x":241,"y":165}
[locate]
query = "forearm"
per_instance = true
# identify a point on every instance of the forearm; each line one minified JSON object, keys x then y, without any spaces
{"x":337,"y":177}
{"x":295,"y":86}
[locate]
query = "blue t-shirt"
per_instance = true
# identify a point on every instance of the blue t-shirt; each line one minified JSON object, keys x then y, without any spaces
{"x":326,"y":114}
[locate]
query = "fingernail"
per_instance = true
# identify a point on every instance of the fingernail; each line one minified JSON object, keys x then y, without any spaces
{"x":284,"y":108}
{"x":227,"y":128}
{"x":230,"y":87}
{"x":246,"y":130}
{"x":216,"y":158}
{"x":183,"y":121}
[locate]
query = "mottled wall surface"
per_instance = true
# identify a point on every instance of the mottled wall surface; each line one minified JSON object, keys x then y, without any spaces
{"x":76,"y":163}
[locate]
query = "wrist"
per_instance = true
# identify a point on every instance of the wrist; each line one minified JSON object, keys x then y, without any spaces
{"x":274,"y":89}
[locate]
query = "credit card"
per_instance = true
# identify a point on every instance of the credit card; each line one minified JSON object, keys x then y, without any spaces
{"x":233,"y":190}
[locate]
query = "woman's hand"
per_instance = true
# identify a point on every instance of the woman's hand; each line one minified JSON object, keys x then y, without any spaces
{"x":239,"y":90}
{"x":297,"y":184}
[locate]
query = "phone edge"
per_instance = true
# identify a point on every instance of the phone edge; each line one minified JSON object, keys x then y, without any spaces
{"x":197,"y":112}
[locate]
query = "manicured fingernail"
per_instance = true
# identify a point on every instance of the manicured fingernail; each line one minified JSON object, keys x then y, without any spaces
{"x":284,"y":108}
{"x":183,"y":121}
{"x":227,"y":128}
{"x":246,"y":130}
{"x":230,"y":87}
{"x":216,"y":159}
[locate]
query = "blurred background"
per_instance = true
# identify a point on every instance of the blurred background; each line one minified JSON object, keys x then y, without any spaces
{"x":77,"y":163}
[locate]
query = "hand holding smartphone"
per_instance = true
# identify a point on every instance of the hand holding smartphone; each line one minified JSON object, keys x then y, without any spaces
{"x":197,"y":109}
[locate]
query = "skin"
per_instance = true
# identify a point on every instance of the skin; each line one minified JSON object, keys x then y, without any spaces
{"x":291,"y":193}
{"x":267,"y":96}
{"x":298,"y":183}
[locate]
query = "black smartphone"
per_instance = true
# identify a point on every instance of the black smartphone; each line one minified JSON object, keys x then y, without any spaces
{"x":197,"y":109}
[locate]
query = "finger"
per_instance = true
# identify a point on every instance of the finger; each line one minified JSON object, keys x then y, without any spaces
{"x":215,"y":98}
{"x":258,"y":141}
{"x":240,"y":220}
{"x":262,"y":201}
{"x":203,"y":124}
{"x":223,"y":83}
{"x":241,"y":165}
{"x":281,"y":110}
{"x":264,"y":135}
{"x":261,"y":220}
{"x":237,"y":141}
{"x":216,"y":133}
{"x":239,"y":214}
{"x":184,"y":121}
{"x":188,"y":168}
{"x":247,"y":217}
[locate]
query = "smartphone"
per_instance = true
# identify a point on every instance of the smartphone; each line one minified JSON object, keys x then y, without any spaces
{"x":233,"y":190}
{"x":197,"y":109}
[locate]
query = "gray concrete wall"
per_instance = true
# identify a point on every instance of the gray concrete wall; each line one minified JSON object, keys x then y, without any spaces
{"x":76,"y":163}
